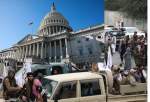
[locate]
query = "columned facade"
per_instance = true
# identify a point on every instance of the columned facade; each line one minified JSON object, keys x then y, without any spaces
{"x":41,"y":50}
{"x":37,"y":53}
{"x":66,"y":46}
{"x":54,"y":41}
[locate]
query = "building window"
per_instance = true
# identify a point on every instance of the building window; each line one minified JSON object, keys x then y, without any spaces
{"x":99,"y":37}
{"x":81,"y":52}
{"x":90,"y":51}
{"x":87,"y":39}
{"x":79,"y":41}
{"x":54,"y":29}
{"x":57,"y":57}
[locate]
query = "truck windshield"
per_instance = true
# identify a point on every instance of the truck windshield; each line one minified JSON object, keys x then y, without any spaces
{"x":49,"y":86}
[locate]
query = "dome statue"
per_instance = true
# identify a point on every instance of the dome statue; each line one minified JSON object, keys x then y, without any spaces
{"x":53,"y":22}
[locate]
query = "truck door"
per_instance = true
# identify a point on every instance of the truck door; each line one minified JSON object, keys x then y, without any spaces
{"x":67,"y":92}
{"x":90,"y":91}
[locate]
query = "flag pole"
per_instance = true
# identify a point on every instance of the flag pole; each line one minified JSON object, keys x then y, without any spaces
{"x":30,"y":24}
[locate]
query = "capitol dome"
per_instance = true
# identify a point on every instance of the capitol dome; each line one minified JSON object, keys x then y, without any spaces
{"x":53,"y":22}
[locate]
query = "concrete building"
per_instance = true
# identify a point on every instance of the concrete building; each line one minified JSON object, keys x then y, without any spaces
{"x":113,"y":17}
{"x":56,"y":41}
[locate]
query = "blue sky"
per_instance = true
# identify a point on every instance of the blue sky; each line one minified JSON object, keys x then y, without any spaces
{"x":15,"y":15}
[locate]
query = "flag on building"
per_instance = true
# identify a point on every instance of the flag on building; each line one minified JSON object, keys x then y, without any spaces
{"x":30,"y":23}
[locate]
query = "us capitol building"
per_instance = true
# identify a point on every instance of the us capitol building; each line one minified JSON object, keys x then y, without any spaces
{"x":56,"y":41}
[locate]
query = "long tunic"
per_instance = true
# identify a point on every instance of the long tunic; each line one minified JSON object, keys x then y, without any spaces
{"x":127,"y":57}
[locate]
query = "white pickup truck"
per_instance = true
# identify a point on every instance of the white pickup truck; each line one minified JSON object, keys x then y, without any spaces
{"x":84,"y":87}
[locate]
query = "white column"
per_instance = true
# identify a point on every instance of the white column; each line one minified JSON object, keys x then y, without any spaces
{"x":26,"y":51}
{"x":33,"y":53}
{"x":60,"y":49}
{"x":45,"y":49}
{"x":46,"y":30}
{"x":16,"y":54}
{"x":49,"y":30}
{"x":10,"y":54}
{"x":66,"y":48}
{"x":22,"y":55}
{"x":13,"y":54}
{"x":30,"y":50}
{"x":20,"y":51}
{"x":41,"y":49}
{"x":53,"y":29}
{"x":50,"y":50}
{"x":55,"y":50}
{"x":37,"y":51}
{"x":59,"y":28}
{"x":56,"y":29}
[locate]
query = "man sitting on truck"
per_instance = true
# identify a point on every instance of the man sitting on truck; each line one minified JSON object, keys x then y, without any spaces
{"x":55,"y":72}
{"x":131,"y":77}
{"x":10,"y":88}
{"x":124,"y":80}
{"x":117,"y":78}
{"x":27,"y":94}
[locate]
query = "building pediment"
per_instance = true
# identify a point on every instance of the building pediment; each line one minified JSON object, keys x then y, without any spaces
{"x":27,"y":38}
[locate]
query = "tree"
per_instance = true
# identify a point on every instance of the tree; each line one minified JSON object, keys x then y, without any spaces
{"x":133,"y":8}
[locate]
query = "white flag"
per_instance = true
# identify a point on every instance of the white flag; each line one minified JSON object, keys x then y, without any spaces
{"x":109,"y":58}
{"x":5,"y":71}
{"x":21,"y":74}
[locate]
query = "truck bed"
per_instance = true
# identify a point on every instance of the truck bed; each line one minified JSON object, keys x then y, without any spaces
{"x":127,"y":98}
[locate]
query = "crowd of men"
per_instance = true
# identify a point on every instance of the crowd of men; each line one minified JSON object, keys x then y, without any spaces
{"x":133,"y":56}
{"x":129,"y":48}
{"x":31,"y":91}
{"x":135,"y":47}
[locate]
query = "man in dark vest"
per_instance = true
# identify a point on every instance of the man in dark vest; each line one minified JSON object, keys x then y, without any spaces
{"x":10,"y":88}
{"x":27,"y":95}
